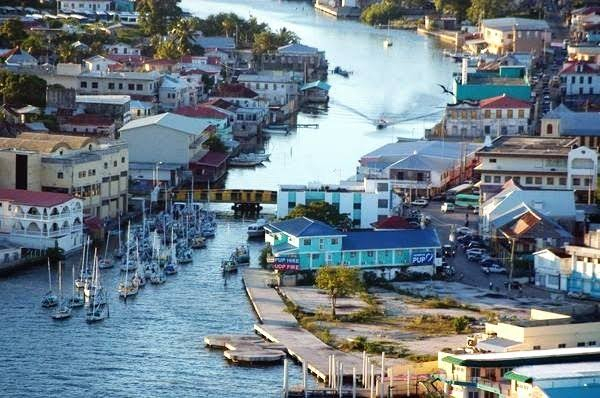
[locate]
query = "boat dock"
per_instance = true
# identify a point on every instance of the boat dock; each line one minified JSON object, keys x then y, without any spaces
{"x":279,"y":326}
{"x":449,"y":37}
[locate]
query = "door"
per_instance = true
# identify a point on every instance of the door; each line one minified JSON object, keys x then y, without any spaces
{"x":20,"y":171}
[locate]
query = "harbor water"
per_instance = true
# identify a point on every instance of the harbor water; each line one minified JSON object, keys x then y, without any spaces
{"x":152,"y":346}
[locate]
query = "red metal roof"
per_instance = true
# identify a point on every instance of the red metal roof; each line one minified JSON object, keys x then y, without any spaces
{"x":201,"y":111}
{"x":234,"y":90}
{"x":572,"y":67}
{"x":393,"y":222}
{"x":211,"y":158}
{"x":128,"y":59}
{"x":503,"y":102}
{"x":89,"y":119}
{"x":34,"y":198}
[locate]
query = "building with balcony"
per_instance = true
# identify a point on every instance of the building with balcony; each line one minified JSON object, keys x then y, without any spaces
{"x":543,"y":163}
{"x":40,"y":220}
{"x":495,"y":116}
{"x":96,"y":173}
{"x":420,"y":168}
{"x":365,"y":202}
{"x":310,"y":244}
{"x":139,"y":84}
{"x":296,"y":57}
{"x":117,"y":107}
{"x":488,"y":375}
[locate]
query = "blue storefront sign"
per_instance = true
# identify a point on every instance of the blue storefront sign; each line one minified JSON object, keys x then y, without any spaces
{"x":422,"y":259}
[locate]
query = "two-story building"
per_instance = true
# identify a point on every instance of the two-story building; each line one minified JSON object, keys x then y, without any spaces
{"x":121,"y":49}
{"x":139,"y":84}
{"x":501,"y":115}
{"x":278,"y":89}
{"x":117,"y":107}
{"x":298,"y":58}
{"x":506,"y":35}
{"x":41,"y":220}
{"x":314,"y":244}
{"x":175,"y":92}
{"x":509,"y":80}
{"x":85,"y":123}
{"x":580,"y":78}
{"x":84,"y":5}
{"x":546,"y":163}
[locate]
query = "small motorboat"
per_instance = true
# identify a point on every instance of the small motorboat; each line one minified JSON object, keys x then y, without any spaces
{"x":257,"y":229}
{"x":246,"y":160}
{"x":171,"y":269}
{"x":381,"y":124}
{"x":198,"y":243}
{"x":241,"y":255}
{"x":276,"y":129}
{"x":229,"y":266}
{"x":158,"y":278}
{"x":388,"y":43}
{"x":342,"y":72}
{"x":49,"y":300}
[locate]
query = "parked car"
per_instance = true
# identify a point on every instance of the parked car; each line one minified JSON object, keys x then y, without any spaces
{"x":486,"y":261}
{"x":474,"y":255}
{"x":447,"y":207}
{"x":494,"y":269}
{"x":420,"y":202}
{"x":474,"y":244}
{"x":448,"y":251}
{"x":513,"y":285}
{"x":464,"y":231}
{"x":438,"y":198}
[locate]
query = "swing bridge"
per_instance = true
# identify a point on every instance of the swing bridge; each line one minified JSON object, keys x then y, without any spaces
{"x":238,"y":197}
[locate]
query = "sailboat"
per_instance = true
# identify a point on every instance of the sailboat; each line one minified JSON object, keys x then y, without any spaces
{"x":99,"y":305}
{"x":63,"y":311}
{"x":171,"y":268}
{"x":128,"y":265}
{"x":138,"y":279}
{"x":49,"y":299}
{"x":387,"y":42}
{"x":118,"y":253}
{"x":90,"y":283}
{"x":83,"y":274}
{"x":77,"y":299}
{"x":127,"y":287}
{"x":106,"y":262}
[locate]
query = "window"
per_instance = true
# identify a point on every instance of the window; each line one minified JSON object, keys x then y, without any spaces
{"x":111,"y":86}
{"x":81,"y":174}
{"x":498,"y":113}
{"x":591,"y":343}
{"x":120,"y":86}
{"x":334,"y":241}
{"x":382,"y":203}
{"x":550,"y":181}
{"x":581,"y":344}
{"x":562,"y":181}
{"x":537,"y":347}
{"x":497,"y":180}
{"x":509,"y":114}
{"x":140,"y":87}
{"x":589,"y":80}
{"x":576,"y":181}
{"x":507,"y":178}
{"x":122,"y":159}
{"x":521,"y":114}
{"x":492,"y":160}
{"x":580,"y":79}
{"x":382,"y":187}
{"x":321,"y":244}
{"x":549,"y":129}
{"x":131,"y":86}
{"x":475,"y":372}
{"x":291,"y":205}
{"x":115,"y":163}
{"x":562,"y":345}
{"x":487,"y":178}
{"x":487,"y":114}
{"x":538,"y":180}
{"x":60,"y":175}
{"x":83,"y":85}
{"x":356,"y":206}
{"x":370,"y":253}
{"x":528,"y":180}
{"x":94,"y":84}
{"x":315,"y":256}
{"x":105,"y":165}
{"x":307,"y":242}
{"x":473,"y":394}
{"x":473,"y":114}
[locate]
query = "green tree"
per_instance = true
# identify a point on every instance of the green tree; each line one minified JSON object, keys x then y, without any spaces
{"x":181,"y":33}
{"x":55,"y":254}
{"x":13,"y":32}
{"x":156,"y":15}
{"x":264,"y":42}
{"x":214,"y":144}
{"x":285,"y":36}
{"x":460,"y":324}
{"x":483,"y":9}
{"x":22,"y":90}
{"x":338,"y":281}
{"x":322,"y":211}
{"x":66,"y":52}
{"x":34,"y":44}
{"x":165,"y":48}
{"x":381,"y":13}
{"x":456,"y":7}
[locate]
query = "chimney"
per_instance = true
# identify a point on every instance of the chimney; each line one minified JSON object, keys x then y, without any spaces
{"x":464,"y":74}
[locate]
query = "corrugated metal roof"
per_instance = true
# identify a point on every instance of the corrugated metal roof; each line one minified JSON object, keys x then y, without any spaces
{"x":395,"y":239}
{"x":184,"y":124}
{"x":304,"y":227}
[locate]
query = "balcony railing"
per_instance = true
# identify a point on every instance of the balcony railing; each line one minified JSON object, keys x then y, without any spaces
{"x":40,"y":217}
{"x":47,"y":234}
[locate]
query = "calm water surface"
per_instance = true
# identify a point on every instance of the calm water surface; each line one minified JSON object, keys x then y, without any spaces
{"x":152,"y":346}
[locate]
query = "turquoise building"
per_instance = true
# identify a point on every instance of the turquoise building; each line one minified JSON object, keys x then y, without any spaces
{"x":305,"y":244}
{"x":509,"y":80}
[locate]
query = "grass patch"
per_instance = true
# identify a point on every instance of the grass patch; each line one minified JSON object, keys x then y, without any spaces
{"x":361,"y":343}
{"x":437,"y":325}
{"x":447,"y":302}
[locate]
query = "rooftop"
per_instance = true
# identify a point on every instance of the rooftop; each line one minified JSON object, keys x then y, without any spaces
{"x":584,"y":391}
{"x":556,"y":371}
{"x":220,"y":42}
{"x":234,"y":91}
{"x":297,"y":48}
{"x":201,"y":111}
{"x":33,"y":198}
{"x":123,"y":75}
{"x":510,"y":23}
{"x":403,"y":238}
{"x":184,"y":124}
{"x":211,"y":158}
{"x":503,"y":102}
{"x":529,"y":146}
{"x":304,"y":227}
{"x":103,"y":99}
{"x":575,"y":123}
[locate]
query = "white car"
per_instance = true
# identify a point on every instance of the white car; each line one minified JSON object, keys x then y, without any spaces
{"x":420,"y":202}
{"x":477,"y":251}
{"x":447,"y":207}
{"x":494,"y":269}
{"x":464,"y":231}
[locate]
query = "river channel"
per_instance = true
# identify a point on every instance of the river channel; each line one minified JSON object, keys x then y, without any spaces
{"x":152,"y":346}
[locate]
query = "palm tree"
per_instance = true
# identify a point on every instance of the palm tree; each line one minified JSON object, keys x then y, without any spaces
{"x":66,"y":52}
{"x":228,"y":25}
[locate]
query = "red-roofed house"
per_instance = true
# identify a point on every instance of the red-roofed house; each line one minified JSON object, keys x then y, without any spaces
{"x":209,"y":168}
{"x":496,"y":116}
{"x":88,"y":124}
{"x":393,"y":223}
{"x":39,"y":220}
{"x":580,"y":78}
{"x":222,"y":119}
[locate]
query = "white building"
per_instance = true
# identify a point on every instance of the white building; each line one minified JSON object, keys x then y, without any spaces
{"x":276,"y":87}
{"x":121,"y":49}
{"x":39,"y":220}
{"x":145,"y":84}
{"x":365,"y":202}
{"x":84,"y":5}
{"x":175,"y":92}
{"x":543,"y":163}
{"x":580,"y":78}
{"x":166,"y":141}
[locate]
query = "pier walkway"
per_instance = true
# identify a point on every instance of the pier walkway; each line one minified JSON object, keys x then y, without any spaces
{"x":279,"y":326}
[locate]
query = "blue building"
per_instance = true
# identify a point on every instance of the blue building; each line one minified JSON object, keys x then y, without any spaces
{"x":510,"y":80}
{"x":312,"y":244}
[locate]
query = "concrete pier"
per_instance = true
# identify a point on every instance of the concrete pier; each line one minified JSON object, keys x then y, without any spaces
{"x":279,"y":326}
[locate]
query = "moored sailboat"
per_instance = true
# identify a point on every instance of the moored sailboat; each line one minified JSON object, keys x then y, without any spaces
{"x":49,"y":299}
{"x":63,"y":311}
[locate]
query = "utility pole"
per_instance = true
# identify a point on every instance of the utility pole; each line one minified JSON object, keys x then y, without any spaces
{"x":512,"y":263}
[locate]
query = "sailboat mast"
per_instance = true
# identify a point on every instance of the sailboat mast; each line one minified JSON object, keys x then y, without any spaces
{"x":60,"y":295}
{"x":49,"y":276}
